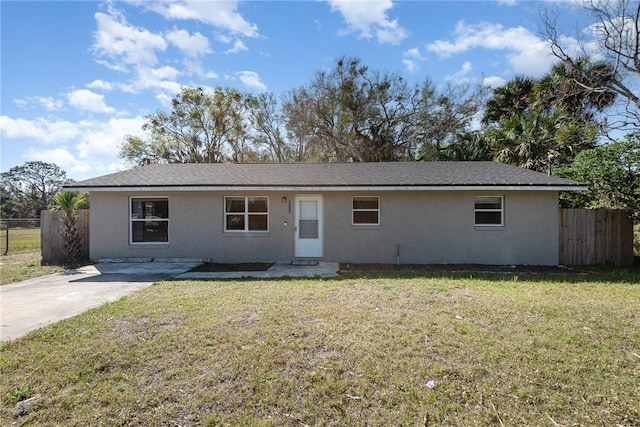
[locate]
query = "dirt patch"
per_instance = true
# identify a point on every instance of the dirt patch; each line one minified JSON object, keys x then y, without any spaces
{"x":212,"y":267}
{"x":531,"y":269}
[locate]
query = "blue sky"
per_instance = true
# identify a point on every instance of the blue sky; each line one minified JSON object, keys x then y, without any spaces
{"x":76,"y":77}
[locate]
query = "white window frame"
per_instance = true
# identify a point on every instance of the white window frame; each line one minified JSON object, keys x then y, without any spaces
{"x":246,"y":214}
{"x":132,"y":220}
{"x":501,"y":210}
{"x":353,"y":210}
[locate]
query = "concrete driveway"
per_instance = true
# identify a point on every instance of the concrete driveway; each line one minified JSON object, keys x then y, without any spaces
{"x":38,"y":302}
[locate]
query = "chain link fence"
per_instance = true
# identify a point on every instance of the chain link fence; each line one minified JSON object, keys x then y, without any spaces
{"x":19,"y":235}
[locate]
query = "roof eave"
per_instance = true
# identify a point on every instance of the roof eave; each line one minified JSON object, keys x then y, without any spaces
{"x":329,"y":188}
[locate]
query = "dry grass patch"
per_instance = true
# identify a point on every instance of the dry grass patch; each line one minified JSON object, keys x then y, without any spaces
{"x":355,"y":351}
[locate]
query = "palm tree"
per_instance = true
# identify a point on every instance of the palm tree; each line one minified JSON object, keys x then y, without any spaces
{"x":513,"y":98}
{"x":528,"y":139}
{"x":69,"y":202}
{"x":580,"y":88}
{"x":468,"y":146}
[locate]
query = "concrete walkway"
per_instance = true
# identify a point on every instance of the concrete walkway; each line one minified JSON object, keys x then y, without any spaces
{"x":280,"y":269}
{"x":39,"y":302}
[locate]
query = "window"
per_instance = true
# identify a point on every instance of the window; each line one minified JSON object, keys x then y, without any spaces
{"x":244,"y":214}
{"x":149,"y":220}
{"x":365,"y":211}
{"x":489,"y":211}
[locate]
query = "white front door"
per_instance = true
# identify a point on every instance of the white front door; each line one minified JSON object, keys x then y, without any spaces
{"x":308,"y":226}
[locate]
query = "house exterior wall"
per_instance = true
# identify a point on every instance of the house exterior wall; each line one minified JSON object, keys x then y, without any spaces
{"x":429,"y":227}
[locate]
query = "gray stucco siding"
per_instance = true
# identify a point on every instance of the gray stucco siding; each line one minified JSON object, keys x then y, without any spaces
{"x":196,"y":229}
{"x":438,"y":227}
{"x":429,"y":226}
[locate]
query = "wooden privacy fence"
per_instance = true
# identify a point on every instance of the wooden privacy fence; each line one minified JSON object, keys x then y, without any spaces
{"x":52,"y":242}
{"x":596,"y":236}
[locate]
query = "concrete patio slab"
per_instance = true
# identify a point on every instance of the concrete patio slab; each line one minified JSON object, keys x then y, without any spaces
{"x":280,"y":269}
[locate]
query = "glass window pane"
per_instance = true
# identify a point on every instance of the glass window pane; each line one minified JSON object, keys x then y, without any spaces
{"x":365,"y":203}
{"x":257,"y":222}
{"x":149,"y":208}
{"x":308,"y":228}
{"x":365,"y":217}
{"x":235,"y":222}
{"x":149,"y":231}
{"x":234,"y":204}
{"x":257,"y":204}
{"x":488,"y":218}
{"x":488,"y":203}
{"x":308,"y":209}
{"x":137,"y":210}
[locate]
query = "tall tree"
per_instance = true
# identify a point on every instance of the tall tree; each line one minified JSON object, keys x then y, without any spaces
{"x":32,"y":186}
{"x":267,"y":122}
{"x":202,"y":127}
{"x":301,"y":128}
{"x":512,"y":98}
{"x":528,"y":139}
{"x":468,"y":146}
{"x":531,"y":120}
{"x":351,"y":113}
{"x":569,"y":88}
{"x":612,"y":172}
{"x":615,"y":31}
{"x":443,"y":114}
{"x":356,"y":114}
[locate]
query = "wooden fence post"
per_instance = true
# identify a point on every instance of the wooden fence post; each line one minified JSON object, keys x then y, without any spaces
{"x":595,"y":236}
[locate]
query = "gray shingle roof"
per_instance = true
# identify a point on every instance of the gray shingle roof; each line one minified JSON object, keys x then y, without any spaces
{"x":392,"y":174}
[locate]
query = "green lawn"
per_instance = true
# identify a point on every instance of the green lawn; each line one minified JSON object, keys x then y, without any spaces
{"x":23,"y":260}
{"x":20,"y":240}
{"x":500,"y":350}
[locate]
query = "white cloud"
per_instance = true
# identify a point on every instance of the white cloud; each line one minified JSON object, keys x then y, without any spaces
{"x":121,"y":42}
{"x":251,"y":79}
{"x":163,"y":78}
{"x":528,"y":53}
{"x":100,"y":84}
{"x":79,"y":146}
{"x":192,"y":66}
{"x":410,"y":59}
{"x":493,"y":81}
{"x":112,"y":65}
{"x":86,"y":100}
{"x":49,"y":103}
{"x":194,"y":46}
{"x":162,"y":73}
{"x":460,"y":76}
{"x":220,"y":14}
{"x":22,"y":103}
{"x":211,"y":75}
{"x":39,"y":129}
{"x":369,"y":19}
{"x":164,"y":99}
{"x":508,"y":2}
{"x":101,"y":139}
{"x":238,"y":46}
{"x":59,"y":156}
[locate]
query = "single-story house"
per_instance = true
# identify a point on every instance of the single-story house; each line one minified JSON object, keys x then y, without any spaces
{"x":397,"y":212}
